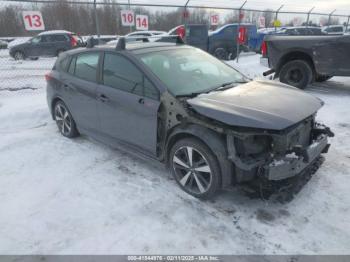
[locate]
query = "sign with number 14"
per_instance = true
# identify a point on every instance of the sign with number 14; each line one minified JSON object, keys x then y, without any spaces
{"x":33,"y":20}
{"x":141,"y":22}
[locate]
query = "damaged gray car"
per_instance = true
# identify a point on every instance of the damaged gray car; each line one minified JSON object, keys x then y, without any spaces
{"x":212,"y":126}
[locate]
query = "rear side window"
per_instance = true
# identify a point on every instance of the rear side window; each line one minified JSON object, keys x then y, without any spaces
{"x":59,"y":38}
{"x":64,"y":64}
{"x":86,"y":66}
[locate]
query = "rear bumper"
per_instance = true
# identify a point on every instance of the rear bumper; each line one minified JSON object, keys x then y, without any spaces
{"x":293,"y":163}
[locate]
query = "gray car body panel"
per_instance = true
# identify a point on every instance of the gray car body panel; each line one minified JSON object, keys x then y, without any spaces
{"x":257,"y":104}
{"x":329,"y":54}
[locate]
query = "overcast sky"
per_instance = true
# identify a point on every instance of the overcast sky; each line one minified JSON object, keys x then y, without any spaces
{"x":342,"y":6}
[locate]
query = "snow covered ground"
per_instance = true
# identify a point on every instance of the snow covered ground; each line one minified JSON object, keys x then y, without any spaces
{"x":62,"y":196}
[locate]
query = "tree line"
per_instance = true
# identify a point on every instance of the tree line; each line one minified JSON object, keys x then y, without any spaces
{"x":80,"y":18}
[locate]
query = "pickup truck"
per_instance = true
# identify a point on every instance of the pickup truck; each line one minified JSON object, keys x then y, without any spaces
{"x":301,"y":60}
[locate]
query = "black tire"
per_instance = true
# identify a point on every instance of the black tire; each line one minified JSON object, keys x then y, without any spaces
{"x":296,"y":73}
{"x":202,"y":177}
{"x":322,"y":78}
{"x":18,"y":55}
{"x":221,"y":53}
{"x":64,"y":120}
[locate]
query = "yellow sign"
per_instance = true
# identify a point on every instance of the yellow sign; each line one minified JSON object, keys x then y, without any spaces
{"x":277,"y":23}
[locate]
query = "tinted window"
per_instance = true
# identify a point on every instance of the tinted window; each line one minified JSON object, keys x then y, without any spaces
{"x":46,"y":39}
{"x":120,"y":73}
{"x":86,"y":66}
{"x":64,"y":63}
{"x":59,"y":38}
{"x":229,"y":31}
{"x":72,"y":66}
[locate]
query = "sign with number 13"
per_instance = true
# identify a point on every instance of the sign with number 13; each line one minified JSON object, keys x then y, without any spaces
{"x":33,"y":20}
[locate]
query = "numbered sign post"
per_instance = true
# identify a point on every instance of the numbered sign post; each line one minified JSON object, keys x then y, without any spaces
{"x":33,"y":20}
{"x":128,"y":17}
{"x":141,"y":22}
{"x":262,"y":21}
{"x":214,"y":19}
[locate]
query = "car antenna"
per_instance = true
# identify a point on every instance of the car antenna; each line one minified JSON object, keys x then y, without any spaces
{"x":90,"y":43}
{"x":120,"y":44}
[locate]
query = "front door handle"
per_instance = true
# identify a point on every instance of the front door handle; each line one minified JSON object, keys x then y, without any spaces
{"x":103,"y":98}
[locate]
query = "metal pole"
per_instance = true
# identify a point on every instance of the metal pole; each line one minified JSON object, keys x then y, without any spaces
{"x":308,"y":16}
{"x":329,"y":17}
{"x":130,"y":27}
{"x":347,"y":24}
{"x":185,"y":17}
{"x":276,"y":16}
{"x":239,"y":25}
{"x":97,"y":23}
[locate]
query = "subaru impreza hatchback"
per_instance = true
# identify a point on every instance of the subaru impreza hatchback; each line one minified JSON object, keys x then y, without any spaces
{"x":209,"y":124}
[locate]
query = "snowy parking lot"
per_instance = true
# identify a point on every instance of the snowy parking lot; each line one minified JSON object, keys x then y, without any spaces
{"x":62,"y":196}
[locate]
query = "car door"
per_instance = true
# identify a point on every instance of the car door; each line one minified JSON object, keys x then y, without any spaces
{"x":127,"y":103}
{"x":80,"y":84}
{"x":34,"y":48}
{"x":341,"y":51}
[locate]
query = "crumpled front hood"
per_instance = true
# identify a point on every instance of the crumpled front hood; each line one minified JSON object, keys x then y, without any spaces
{"x":257,"y":104}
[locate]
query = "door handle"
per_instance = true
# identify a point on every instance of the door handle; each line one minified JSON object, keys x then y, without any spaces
{"x":103,"y":98}
{"x":141,"y":101}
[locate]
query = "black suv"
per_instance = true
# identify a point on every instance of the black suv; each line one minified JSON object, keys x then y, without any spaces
{"x":50,"y":43}
{"x":212,"y":126}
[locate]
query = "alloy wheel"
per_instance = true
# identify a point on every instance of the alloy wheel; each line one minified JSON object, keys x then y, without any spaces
{"x":19,"y":56}
{"x":192,"y":170}
{"x":63,"y":119}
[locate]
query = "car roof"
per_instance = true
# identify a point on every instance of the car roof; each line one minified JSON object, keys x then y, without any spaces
{"x":55,"y":32}
{"x":136,"y":48}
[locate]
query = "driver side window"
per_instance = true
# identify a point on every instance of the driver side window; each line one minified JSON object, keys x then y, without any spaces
{"x":36,"y":40}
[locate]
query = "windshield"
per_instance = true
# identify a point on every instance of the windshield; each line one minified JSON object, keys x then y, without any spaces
{"x":189,"y":71}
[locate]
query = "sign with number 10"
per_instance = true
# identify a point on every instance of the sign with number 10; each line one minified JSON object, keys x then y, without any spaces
{"x":33,"y":20}
{"x":127,"y":17}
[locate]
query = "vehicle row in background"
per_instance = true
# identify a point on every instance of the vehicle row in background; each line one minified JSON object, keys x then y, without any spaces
{"x":49,"y":43}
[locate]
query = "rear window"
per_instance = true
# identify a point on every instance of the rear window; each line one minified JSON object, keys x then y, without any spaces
{"x":86,"y":66}
{"x":64,"y":64}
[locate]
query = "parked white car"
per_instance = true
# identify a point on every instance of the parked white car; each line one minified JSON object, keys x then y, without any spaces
{"x":333,"y":29}
{"x":143,"y":34}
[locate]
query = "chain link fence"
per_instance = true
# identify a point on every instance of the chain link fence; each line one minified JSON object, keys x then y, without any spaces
{"x":102,"y":18}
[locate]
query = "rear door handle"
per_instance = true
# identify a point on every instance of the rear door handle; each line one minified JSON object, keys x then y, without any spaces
{"x":141,"y":101}
{"x":103,"y":98}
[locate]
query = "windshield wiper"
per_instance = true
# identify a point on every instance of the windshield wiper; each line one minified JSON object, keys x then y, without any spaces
{"x":228,"y":85}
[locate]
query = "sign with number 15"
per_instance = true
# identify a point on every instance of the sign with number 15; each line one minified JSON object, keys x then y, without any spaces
{"x":33,"y":20}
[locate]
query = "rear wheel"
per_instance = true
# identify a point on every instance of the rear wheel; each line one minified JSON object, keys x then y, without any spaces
{"x":64,"y":120}
{"x":221,"y":53}
{"x":296,"y":73}
{"x":195,"y":168}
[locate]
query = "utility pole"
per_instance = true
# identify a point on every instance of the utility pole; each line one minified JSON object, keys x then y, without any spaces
{"x":276,"y":16}
{"x":239,"y":25}
{"x":308,"y":16}
{"x":329,"y":17}
{"x":347,"y":24}
{"x":97,"y":23}
{"x":130,"y":28}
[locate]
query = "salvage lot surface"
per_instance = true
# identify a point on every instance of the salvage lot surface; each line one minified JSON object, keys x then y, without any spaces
{"x":61,"y":196}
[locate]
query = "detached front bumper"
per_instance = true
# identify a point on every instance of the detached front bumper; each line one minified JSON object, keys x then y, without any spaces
{"x":293,"y":163}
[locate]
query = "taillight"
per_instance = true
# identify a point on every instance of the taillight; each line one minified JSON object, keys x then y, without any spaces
{"x":73,"y":41}
{"x":181,"y":31}
{"x":48,"y":77}
{"x":263,"y":49}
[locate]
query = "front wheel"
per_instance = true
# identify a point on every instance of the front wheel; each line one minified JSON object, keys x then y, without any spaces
{"x":19,"y":55}
{"x":322,"y":78}
{"x":195,"y":168}
{"x":64,"y":120}
{"x":296,"y":73}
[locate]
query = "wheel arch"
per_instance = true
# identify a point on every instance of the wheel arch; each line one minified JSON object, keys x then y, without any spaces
{"x":294,"y":55}
{"x":210,"y":138}
{"x":52,"y":105}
